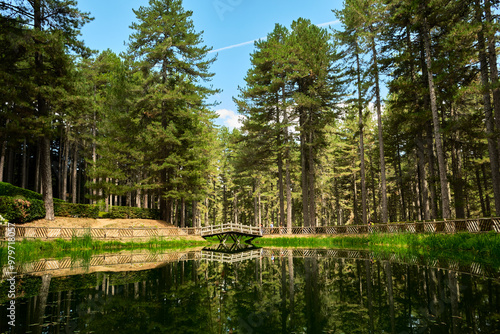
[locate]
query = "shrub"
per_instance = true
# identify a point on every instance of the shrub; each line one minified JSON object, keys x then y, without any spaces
{"x":125,"y":212}
{"x":18,"y":210}
{"x":63,"y":209}
{"x":7,"y":189}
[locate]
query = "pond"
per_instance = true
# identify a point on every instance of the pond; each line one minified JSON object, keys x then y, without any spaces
{"x":254,"y":291}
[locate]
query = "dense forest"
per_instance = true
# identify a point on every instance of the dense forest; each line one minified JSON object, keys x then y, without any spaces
{"x":320,"y":143}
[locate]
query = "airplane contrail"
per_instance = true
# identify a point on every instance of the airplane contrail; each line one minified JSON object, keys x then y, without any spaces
{"x":263,"y":38}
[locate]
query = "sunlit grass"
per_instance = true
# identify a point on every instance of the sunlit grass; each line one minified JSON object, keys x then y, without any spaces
{"x":81,"y":247}
{"x":484,"y":243}
{"x":319,"y":241}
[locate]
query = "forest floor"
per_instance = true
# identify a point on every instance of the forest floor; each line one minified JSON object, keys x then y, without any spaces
{"x":99,"y":223}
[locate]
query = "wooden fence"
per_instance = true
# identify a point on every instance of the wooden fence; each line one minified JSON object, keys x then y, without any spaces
{"x":30,"y":232}
{"x":449,"y":226}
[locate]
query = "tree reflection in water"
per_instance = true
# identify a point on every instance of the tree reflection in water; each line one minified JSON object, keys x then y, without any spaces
{"x":279,"y":294}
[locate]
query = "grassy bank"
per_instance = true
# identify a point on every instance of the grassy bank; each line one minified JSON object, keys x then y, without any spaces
{"x":465,"y":247}
{"x":313,"y":241}
{"x":485,"y":244}
{"x":30,"y":250}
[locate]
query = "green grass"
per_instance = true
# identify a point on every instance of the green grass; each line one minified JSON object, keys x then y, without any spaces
{"x":474,"y":247}
{"x":86,"y":246}
{"x":314,"y":242}
{"x":485,"y":243}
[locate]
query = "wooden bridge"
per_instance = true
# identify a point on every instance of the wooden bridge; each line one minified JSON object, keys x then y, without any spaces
{"x":234,"y":231}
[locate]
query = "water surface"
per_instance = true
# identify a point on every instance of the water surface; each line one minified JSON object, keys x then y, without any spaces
{"x":259,"y":291}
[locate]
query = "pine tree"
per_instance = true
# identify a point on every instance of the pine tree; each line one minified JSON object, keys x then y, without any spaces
{"x":169,"y":52}
{"x":318,"y":91}
{"x":53,"y":27}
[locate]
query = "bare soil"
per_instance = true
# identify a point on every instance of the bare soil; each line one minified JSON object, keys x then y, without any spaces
{"x":99,"y":223}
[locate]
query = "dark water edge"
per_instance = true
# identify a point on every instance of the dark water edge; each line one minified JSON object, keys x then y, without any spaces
{"x":276,"y":291}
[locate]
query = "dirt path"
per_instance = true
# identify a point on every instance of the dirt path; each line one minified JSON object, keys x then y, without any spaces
{"x":98,"y":223}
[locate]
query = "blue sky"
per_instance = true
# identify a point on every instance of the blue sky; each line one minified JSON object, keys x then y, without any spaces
{"x":229,"y":27}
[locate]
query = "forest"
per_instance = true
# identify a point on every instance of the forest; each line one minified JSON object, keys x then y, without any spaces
{"x":320,"y":144}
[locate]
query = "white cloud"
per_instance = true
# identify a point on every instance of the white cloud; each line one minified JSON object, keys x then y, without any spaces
{"x":230,"y":118}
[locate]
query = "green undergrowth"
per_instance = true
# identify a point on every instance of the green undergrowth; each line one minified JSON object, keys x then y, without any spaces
{"x":314,"y":242}
{"x":465,"y":248}
{"x":480,"y":244}
{"x":85,"y":247}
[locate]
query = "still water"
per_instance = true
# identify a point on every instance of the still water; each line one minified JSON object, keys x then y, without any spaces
{"x":257,"y":291}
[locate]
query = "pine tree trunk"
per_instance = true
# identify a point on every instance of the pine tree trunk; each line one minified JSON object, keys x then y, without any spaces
{"x":235,"y":208}
{"x":486,"y":195}
{"x":259,"y":223}
{"x":304,"y":171}
{"x":65,"y":171}
{"x":417,"y":202}
{"x":25,"y":163}
{"x":364,"y":197}
{"x":94,"y":162}
{"x":46,"y":174}
{"x":480,"y":191}
{"x":400,"y":181}
{"x":2,"y":158}
{"x":424,"y":188}
{"x":288,"y":193}
{"x":138,"y":197}
{"x":445,"y":200}
{"x":489,"y":119}
{"x":195,"y":214}
{"x":281,"y":190}
{"x":492,"y":53}
{"x":183,"y":212}
{"x":337,"y":199}
{"x":10,"y":166}
{"x":456,"y":162}
{"x":38,"y":185}
{"x":74,"y":177}
{"x":378,"y":106}
{"x":60,"y":154}
{"x":288,"y":181}
{"x":312,"y":181}
{"x":432,"y":173}
{"x":355,"y":196}
{"x":224,"y":204}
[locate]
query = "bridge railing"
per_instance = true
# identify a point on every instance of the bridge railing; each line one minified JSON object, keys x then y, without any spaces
{"x":230,"y":227}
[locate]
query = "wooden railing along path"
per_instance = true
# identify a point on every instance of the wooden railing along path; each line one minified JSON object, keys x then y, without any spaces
{"x":448,"y":226}
{"x":32,"y":232}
